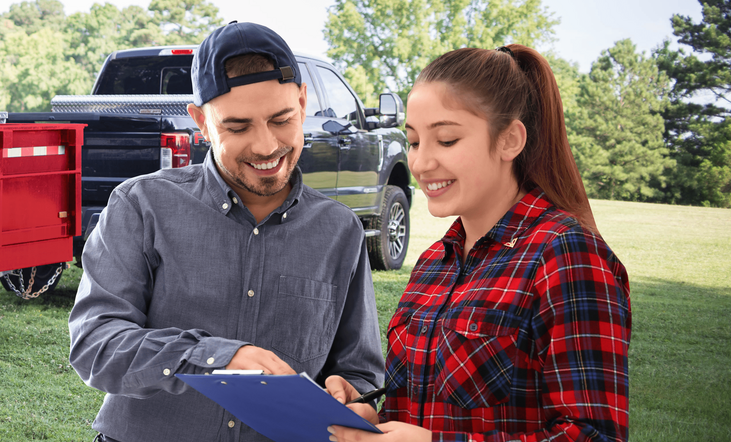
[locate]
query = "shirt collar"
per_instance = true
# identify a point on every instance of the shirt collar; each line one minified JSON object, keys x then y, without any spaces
{"x":507,"y":230}
{"x":224,"y":196}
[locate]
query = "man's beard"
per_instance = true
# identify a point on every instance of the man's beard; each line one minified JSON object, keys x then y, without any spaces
{"x":265,"y":186}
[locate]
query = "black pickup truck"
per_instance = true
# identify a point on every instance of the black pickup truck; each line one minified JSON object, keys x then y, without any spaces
{"x":137,"y":123}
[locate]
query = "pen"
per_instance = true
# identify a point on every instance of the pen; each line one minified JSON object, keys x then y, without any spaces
{"x":364,"y":399}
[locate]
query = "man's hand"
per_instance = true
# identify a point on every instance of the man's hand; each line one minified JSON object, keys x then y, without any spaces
{"x":250,"y":357}
{"x":341,"y":390}
{"x":392,"y":432}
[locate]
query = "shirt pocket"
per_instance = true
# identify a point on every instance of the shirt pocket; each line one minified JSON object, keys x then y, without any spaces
{"x":305,"y":321}
{"x":475,"y":357}
{"x":397,"y":357}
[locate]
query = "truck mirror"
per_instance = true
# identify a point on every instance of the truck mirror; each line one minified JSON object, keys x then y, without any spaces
{"x":391,"y":109}
{"x":387,"y":105}
{"x":336,"y":128}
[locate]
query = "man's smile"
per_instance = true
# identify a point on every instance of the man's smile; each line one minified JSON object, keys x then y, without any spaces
{"x":265,"y":166}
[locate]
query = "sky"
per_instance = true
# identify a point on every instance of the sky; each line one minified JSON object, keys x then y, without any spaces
{"x":587,"y":26}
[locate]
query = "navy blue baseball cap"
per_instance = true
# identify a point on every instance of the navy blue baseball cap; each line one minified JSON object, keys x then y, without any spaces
{"x":209,"y":72}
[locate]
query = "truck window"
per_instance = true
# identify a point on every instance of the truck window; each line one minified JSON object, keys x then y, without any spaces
{"x":342,"y":102}
{"x":313,"y":103}
{"x":176,"y":81}
{"x":145,"y":75}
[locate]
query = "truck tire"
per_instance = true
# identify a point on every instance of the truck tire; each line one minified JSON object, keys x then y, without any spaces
{"x":43,"y":275}
{"x":388,"y":250}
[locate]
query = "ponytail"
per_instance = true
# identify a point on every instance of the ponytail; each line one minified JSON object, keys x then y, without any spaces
{"x":516,"y":83}
{"x":547,"y":161}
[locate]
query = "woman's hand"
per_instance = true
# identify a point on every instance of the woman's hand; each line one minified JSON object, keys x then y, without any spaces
{"x":341,"y":390}
{"x":392,"y":432}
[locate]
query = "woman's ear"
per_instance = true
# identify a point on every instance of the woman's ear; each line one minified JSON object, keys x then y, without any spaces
{"x":512,"y":141}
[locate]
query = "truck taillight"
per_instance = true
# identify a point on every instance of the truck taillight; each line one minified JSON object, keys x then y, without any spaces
{"x":175,"y":150}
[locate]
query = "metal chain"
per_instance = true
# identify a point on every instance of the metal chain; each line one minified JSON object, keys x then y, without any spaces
{"x":26,"y":293}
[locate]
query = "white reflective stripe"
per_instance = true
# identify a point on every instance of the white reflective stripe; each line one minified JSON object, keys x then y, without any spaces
{"x":35,"y":151}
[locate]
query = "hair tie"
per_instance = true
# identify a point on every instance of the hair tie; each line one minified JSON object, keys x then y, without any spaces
{"x":506,"y":50}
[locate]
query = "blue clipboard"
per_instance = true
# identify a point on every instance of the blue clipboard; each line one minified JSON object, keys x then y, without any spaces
{"x":283,"y":408}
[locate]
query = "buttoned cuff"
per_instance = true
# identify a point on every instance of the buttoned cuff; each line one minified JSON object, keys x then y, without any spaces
{"x":212,"y":353}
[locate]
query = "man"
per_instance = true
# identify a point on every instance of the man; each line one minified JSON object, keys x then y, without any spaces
{"x":233,"y":263}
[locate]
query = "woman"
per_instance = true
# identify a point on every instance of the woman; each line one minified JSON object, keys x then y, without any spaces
{"x":516,"y":324}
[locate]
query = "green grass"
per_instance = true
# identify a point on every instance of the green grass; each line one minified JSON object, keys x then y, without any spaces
{"x":678,"y":259}
{"x":42,"y":397}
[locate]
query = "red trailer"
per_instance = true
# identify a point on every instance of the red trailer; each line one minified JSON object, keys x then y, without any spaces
{"x":40,"y":203}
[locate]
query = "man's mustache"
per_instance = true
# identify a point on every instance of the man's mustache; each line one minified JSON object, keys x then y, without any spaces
{"x":280,"y":152}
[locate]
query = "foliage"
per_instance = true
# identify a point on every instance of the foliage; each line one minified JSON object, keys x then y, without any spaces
{"x":185,"y":22}
{"x":697,"y":130}
{"x":616,"y":129}
{"x":388,"y":42}
{"x":34,"y":70}
{"x":46,"y":53}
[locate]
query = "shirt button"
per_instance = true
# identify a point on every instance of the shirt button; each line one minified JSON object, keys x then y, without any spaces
{"x":250,"y":293}
{"x":256,"y":231}
{"x":211,"y":361}
{"x":473,"y":327}
{"x":424,"y":329}
{"x":285,"y":215}
{"x":224,"y":206}
{"x":231,"y":424}
{"x":166,"y":372}
{"x":236,"y":201}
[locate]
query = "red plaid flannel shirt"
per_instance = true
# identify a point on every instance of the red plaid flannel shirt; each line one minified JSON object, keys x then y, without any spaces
{"x":527,"y":340}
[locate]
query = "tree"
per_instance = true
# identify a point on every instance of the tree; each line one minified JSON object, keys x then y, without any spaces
{"x":31,"y":17}
{"x":43,"y":53}
{"x":696,"y":126}
{"x":386,"y":43}
{"x":185,"y":22}
{"x":105,"y":29}
{"x":616,"y":129}
{"x":34,"y":69}
{"x":568,"y":80}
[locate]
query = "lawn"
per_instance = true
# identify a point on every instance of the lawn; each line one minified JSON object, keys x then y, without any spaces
{"x":678,"y":258}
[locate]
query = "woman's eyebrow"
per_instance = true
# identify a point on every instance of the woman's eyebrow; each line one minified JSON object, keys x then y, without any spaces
{"x":437,"y":124}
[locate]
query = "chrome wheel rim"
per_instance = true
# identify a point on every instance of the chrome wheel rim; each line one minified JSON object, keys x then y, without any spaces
{"x":396,"y":230}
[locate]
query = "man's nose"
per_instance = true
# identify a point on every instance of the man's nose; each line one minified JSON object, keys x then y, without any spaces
{"x":264,"y":142}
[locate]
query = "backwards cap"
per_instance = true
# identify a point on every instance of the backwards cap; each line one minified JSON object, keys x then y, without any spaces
{"x":209,"y":72}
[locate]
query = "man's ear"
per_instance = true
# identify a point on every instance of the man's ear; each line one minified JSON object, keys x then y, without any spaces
{"x":200,"y":118}
{"x":512,"y":141}
{"x":303,"y":101}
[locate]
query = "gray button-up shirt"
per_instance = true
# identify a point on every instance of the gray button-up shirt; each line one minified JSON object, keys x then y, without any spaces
{"x":178,"y":276}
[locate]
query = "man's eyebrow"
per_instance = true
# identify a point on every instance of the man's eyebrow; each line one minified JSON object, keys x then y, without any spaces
{"x":436,"y":124}
{"x":236,"y":120}
{"x":281,"y":112}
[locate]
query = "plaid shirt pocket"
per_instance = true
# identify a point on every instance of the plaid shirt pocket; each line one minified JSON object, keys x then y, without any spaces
{"x":475,"y":357}
{"x":397,"y":359}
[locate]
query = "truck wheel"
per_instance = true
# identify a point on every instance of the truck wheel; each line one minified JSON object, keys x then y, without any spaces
{"x":43,"y":276}
{"x":388,"y":250}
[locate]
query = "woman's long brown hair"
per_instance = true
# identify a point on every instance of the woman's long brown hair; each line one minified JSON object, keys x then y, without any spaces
{"x":517,"y":83}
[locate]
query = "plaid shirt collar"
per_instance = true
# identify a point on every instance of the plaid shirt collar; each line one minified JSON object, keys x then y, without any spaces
{"x":507,"y":230}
